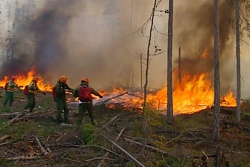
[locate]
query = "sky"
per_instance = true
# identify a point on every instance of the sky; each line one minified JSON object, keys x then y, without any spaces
{"x":103,"y":40}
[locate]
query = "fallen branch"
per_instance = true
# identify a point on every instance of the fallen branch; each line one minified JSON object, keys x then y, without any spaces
{"x":147,"y":146}
{"x":16,"y":117}
{"x":61,"y":137}
{"x":2,"y":144}
{"x":109,"y":122}
{"x":4,"y":137}
{"x":107,"y":153}
{"x":106,"y":100}
{"x":123,"y":150}
{"x":13,"y":120}
{"x":9,"y":114}
{"x":23,"y":158}
{"x":43,"y":150}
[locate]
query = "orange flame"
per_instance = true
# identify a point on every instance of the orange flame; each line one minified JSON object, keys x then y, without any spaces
{"x":22,"y":80}
{"x":193,"y":94}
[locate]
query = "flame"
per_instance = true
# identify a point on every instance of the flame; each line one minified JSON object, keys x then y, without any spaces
{"x":193,"y":94}
{"x":22,"y":80}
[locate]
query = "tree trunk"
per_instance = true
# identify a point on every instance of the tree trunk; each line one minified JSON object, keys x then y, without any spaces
{"x":169,"y":66}
{"x":147,"y":60}
{"x":216,"y":74}
{"x":237,"y":17}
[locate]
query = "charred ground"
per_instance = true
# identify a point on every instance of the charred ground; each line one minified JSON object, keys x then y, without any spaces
{"x":123,"y":137}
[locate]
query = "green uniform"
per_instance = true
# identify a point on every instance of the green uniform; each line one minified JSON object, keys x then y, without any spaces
{"x":60,"y":100}
{"x":85,"y":106}
{"x":31,"y":96}
{"x":9,"y":94}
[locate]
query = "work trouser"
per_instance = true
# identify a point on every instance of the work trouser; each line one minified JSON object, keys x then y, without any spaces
{"x":9,"y":96}
{"x":61,"y":105}
{"x":82,"y":109}
{"x":31,"y":101}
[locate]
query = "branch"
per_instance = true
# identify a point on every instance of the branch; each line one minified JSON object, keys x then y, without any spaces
{"x":123,"y":150}
{"x":43,"y":150}
{"x":23,"y":158}
{"x":107,"y":153}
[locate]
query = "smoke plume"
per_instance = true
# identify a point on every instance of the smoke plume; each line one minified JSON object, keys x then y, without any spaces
{"x":103,"y":40}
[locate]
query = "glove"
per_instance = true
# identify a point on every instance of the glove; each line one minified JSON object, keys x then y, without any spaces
{"x":101,"y":96}
{"x":43,"y":93}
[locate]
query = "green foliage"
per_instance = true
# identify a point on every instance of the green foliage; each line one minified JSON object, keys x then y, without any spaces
{"x":87,"y":134}
{"x":174,"y":162}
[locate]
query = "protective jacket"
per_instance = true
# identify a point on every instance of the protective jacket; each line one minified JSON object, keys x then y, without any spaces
{"x":84,"y":84}
{"x":60,"y":89}
{"x":11,"y":86}
{"x":33,"y":88}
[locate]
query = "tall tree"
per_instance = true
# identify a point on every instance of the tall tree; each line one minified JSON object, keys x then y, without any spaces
{"x":237,"y":26}
{"x":169,"y":65}
{"x":216,"y":74}
{"x":148,"y":55}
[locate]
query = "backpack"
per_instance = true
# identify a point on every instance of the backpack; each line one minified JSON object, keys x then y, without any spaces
{"x":54,"y":92}
{"x":85,"y":94}
{"x":6,"y":86}
{"x":26,"y":90}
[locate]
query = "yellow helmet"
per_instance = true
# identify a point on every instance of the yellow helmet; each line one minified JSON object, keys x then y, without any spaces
{"x":63,"y":79}
{"x":85,"y":79}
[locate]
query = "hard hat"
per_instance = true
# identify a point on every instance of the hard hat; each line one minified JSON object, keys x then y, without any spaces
{"x":13,"y":78}
{"x":85,"y":79}
{"x":35,"y":79}
{"x":63,"y":79}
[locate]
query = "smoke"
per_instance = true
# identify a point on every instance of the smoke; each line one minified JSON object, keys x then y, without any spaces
{"x":196,"y":36}
{"x":103,"y":40}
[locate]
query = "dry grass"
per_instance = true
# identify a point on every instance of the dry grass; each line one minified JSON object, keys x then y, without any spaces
{"x":177,"y":145}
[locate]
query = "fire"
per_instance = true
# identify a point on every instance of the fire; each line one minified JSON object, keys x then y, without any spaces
{"x":193,"y":94}
{"x":22,"y":80}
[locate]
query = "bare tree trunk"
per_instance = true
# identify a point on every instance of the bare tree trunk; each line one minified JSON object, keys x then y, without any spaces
{"x":216,"y":123}
{"x":237,"y":17}
{"x":169,"y":66}
{"x":147,"y":60}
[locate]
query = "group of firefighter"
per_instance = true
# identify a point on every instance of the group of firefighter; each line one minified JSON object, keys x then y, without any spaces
{"x":82,"y":91}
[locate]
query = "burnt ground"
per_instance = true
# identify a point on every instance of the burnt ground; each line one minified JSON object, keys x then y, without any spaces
{"x":122,"y":138}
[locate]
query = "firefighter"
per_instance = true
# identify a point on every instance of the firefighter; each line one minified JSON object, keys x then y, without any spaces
{"x":60,"y":98}
{"x":83,"y":92}
{"x":11,"y":86}
{"x":33,"y":89}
